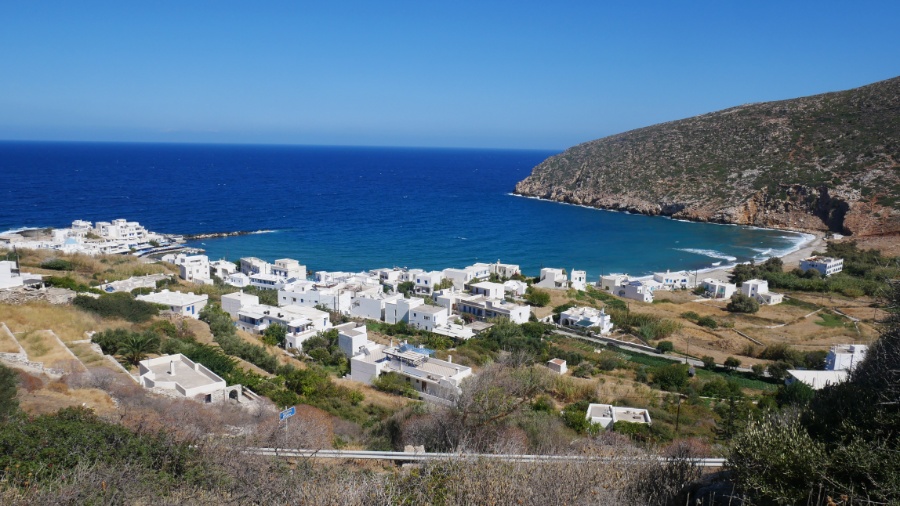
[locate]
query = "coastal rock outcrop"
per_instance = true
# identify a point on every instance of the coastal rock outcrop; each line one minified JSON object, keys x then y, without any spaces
{"x":827,"y":162}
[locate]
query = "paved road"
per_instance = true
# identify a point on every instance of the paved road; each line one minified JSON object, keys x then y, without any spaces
{"x":423,"y":456}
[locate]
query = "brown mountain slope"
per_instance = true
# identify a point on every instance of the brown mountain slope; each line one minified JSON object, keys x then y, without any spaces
{"x":825,"y":162}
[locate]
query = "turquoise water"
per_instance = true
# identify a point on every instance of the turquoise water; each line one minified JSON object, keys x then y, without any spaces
{"x":354,"y":208}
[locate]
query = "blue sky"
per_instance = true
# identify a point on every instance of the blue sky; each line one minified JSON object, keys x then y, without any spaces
{"x":463,"y":74}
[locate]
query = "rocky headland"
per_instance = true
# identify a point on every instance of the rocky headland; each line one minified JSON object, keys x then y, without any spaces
{"x":827,"y":162}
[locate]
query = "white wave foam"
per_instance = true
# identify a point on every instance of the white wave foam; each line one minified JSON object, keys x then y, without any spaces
{"x":20,"y":229}
{"x":711,"y":253}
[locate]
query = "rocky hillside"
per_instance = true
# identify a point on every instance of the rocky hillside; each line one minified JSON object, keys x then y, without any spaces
{"x":825,"y":162}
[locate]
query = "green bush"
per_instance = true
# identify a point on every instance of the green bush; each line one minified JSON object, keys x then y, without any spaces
{"x":70,"y":284}
{"x":665,"y":347}
{"x":57,"y":264}
{"x":741,"y":303}
{"x":536,"y":297}
{"x":671,"y":377}
{"x":117,"y":305}
{"x":393,"y":383}
{"x":708,"y":322}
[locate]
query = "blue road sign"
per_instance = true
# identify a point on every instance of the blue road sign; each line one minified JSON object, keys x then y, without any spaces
{"x":289,"y":412}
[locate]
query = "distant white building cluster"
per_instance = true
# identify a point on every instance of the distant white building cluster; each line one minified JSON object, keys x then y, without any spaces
{"x":101,"y":238}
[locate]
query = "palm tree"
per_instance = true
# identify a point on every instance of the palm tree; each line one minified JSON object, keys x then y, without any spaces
{"x":135,"y":347}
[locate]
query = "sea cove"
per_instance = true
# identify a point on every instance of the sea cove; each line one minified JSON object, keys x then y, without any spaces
{"x":354,"y":208}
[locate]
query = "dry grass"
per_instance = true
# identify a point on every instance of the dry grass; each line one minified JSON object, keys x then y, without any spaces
{"x":46,"y":400}
{"x":94,"y":268}
{"x":7,"y":341}
{"x":42,"y":346}
{"x":69,"y":323}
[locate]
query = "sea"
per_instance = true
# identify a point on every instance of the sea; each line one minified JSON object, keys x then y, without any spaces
{"x":356,"y":208}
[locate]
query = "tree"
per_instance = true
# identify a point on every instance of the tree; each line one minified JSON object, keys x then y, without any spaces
{"x":709,"y":362}
{"x":671,"y":377}
{"x":732,"y":363}
{"x":741,"y":303}
{"x":275,"y":335}
{"x":665,"y":346}
{"x":537,"y":297}
{"x":135,"y":347}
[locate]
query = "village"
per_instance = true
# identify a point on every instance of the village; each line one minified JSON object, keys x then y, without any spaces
{"x":457,"y":303}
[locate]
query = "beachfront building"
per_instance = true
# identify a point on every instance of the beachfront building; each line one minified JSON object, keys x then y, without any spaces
{"x":586,"y":317}
{"x":434,"y":379}
{"x":717,"y":289}
{"x":483,"y":308}
{"x":253,"y":265}
{"x":232,"y":303}
{"x":181,"y":376}
{"x":674,"y":280}
{"x":130,"y":231}
{"x":553,"y":278}
{"x":845,"y":357}
{"x":825,"y":265}
{"x":288,"y":268}
{"x":579,"y":280}
{"x":427,"y":317}
{"x":759,"y":289}
{"x":638,"y":290}
{"x":607,"y":415}
{"x":193,"y":268}
{"x":427,"y":281}
{"x":489,"y":290}
{"x":504,"y":271}
{"x":222,"y":269}
{"x":612,"y":282}
{"x":515,"y":288}
{"x":557,"y":365}
{"x":238,"y":279}
{"x":184,"y":304}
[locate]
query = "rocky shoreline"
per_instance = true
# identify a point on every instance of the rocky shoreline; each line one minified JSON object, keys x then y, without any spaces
{"x":220,"y":235}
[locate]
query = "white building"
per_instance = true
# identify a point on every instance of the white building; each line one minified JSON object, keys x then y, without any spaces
{"x":222,"y":269}
{"x":130,"y":231}
{"x":816,"y":380}
{"x":288,"y":268}
{"x":398,"y":310}
{"x":371,"y":306}
{"x":489,"y":290}
{"x":232,"y":303}
{"x":430,"y":376}
{"x":238,"y":279}
{"x":185,"y":304}
{"x":352,"y":338}
{"x":193,"y":268}
{"x":300,"y":322}
{"x":716,"y":289}
{"x":586,"y":317}
{"x":426,"y":281}
{"x":188,"y":379}
{"x":515,"y":288}
{"x":10,"y":277}
{"x":557,"y":365}
{"x":266,"y":281}
{"x":487,"y":309}
{"x":845,"y":357}
{"x":505,"y":271}
{"x":606,"y":415}
{"x":553,"y":278}
{"x":253,"y":265}
{"x":638,"y":290}
{"x":759,"y":289}
{"x":427,"y":317}
{"x":825,"y":265}
{"x":579,"y":280}
{"x":612,"y":282}
{"x":673,"y":280}
{"x":334,"y":296}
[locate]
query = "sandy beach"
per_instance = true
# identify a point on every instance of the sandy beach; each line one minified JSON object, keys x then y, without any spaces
{"x":791,"y":260}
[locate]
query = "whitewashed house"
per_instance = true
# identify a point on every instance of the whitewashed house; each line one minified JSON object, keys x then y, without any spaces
{"x":825,"y":265}
{"x":504,"y":271}
{"x":222,"y":269}
{"x":717,"y":289}
{"x":300,"y":322}
{"x":398,"y":310}
{"x":185,"y":378}
{"x":266,"y":281}
{"x":11,"y":277}
{"x":515,"y":287}
{"x":578,"y":280}
{"x":486,"y":309}
{"x":558,"y":366}
{"x":130,"y":231}
{"x":194,"y":268}
{"x":371,"y":306}
{"x":553,"y":278}
{"x":489,"y":290}
{"x":673,"y":280}
{"x":586,"y":317}
{"x":238,"y":279}
{"x":232,"y":303}
{"x":352,"y":338}
{"x":759,"y":289}
{"x":638,"y":290}
{"x":288,"y":268}
{"x":612,"y":282}
{"x":253,"y":265}
{"x":606,"y":415}
{"x":185,"y":304}
{"x":427,"y":375}
{"x":427,"y":281}
{"x":845,"y":357}
{"x":427,"y":317}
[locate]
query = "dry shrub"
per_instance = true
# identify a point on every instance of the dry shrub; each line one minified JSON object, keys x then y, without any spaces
{"x":29,"y":382}
{"x":58,"y":386}
{"x":569,"y":390}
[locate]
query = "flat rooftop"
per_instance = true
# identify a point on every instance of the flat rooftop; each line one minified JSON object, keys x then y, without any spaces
{"x":185,"y":375}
